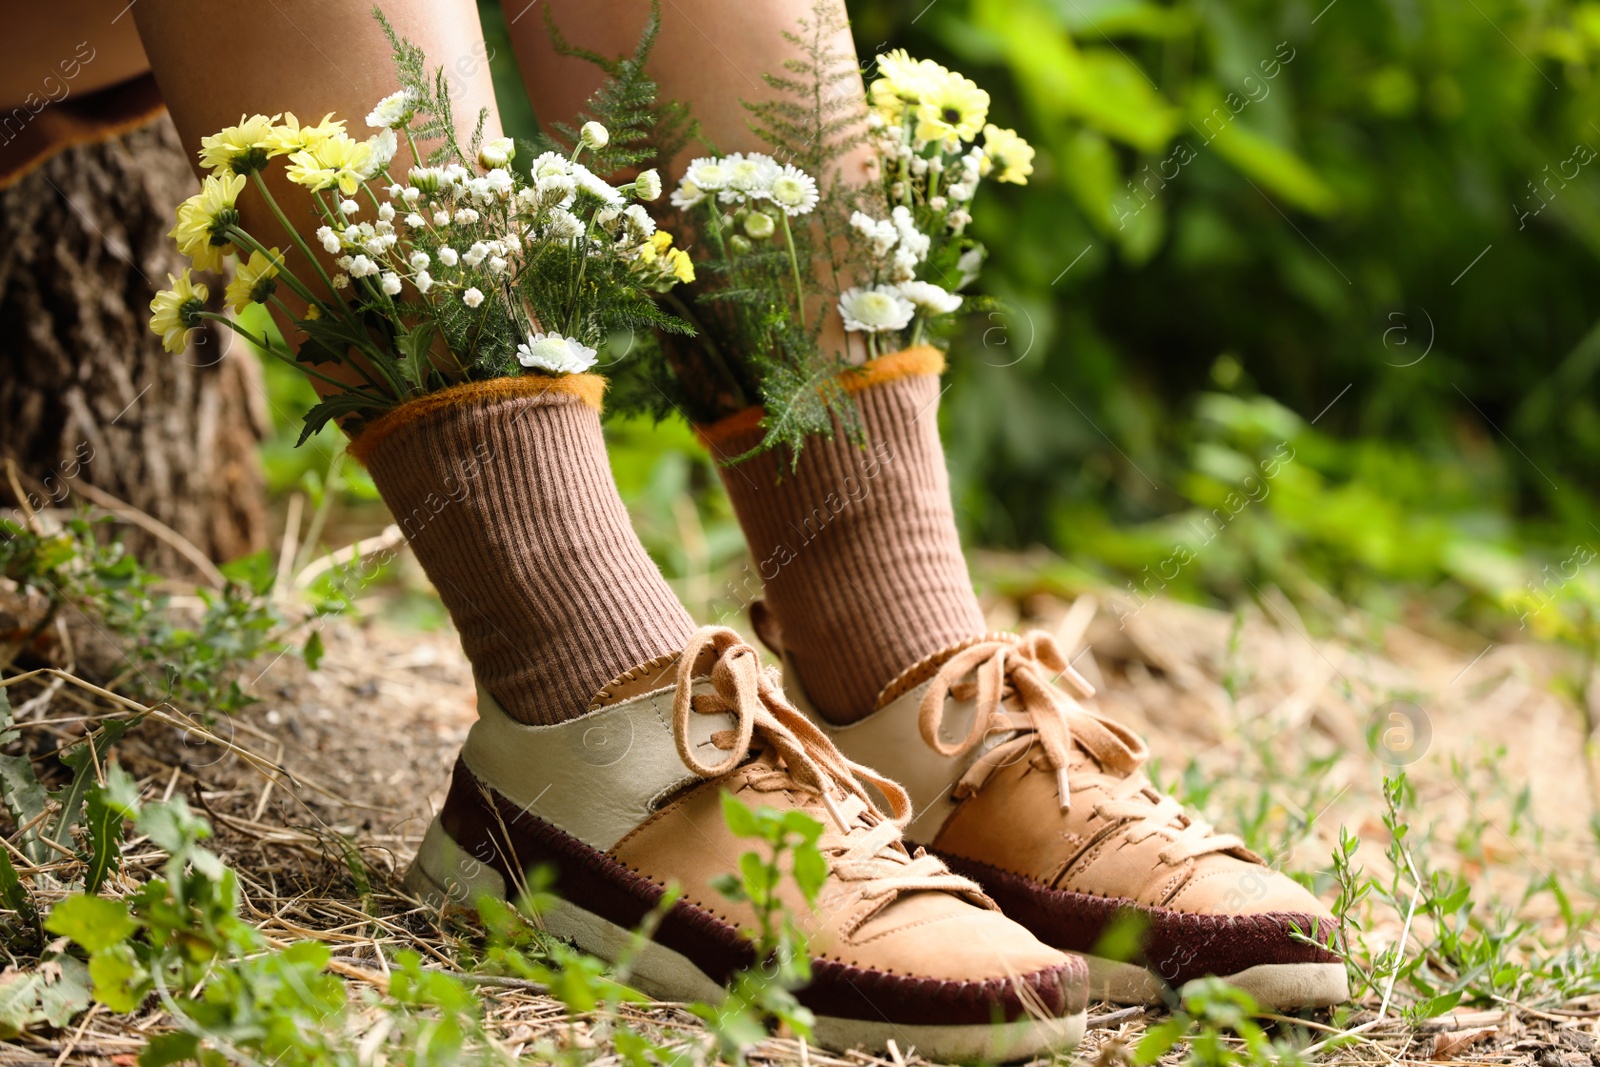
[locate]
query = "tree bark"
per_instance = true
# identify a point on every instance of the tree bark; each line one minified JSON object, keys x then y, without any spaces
{"x":86,"y":392}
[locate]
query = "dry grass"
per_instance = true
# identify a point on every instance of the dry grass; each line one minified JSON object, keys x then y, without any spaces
{"x":320,"y":793}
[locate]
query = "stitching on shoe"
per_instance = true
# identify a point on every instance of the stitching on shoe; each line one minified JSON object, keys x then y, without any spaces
{"x":604,"y":697}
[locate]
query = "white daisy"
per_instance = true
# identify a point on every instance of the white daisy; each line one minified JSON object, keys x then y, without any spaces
{"x":794,"y":190}
{"x":875,"y":309}
{"x":383,"y":146}
{"x":556,"y":354}
{"x":393,"y":110}
{"x":707,"y":174}
{"x":592,"y":184}
{"x":547,"y":164}
{"x":639,"y":221}
{"x":556,"y":190}
{"x":562,"y":225}
{"x":687,"y":195}
{"x":930,"y":299}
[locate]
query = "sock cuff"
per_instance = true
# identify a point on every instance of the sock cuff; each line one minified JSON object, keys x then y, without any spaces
{"x":587,"y":389}
{"x":907,"y":363}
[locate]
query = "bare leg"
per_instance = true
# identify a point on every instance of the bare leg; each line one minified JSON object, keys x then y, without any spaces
{"x":711,"y":54}
{"x":270,"y":56}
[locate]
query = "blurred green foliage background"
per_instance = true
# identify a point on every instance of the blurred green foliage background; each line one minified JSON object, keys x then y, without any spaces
{"x":1361,"y":234}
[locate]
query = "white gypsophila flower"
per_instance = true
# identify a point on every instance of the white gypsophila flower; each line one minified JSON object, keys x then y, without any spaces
{"x":425,"y":179}
{"x":472,"y":297}
{"x":497,"y":264}
{"x":972,"y":165}
{"x":919,"y":166}
{"x":419,"y":260}
{"x":478,"y":189}
{"x":562,"y":225}
{"x":447,"y":255}
{"x":647,"y":186}
{"x":475,"y":255}
{"x":594,"y":135}
{"x":390,"y":283}
{"x":343,"y":262}
{"x":687,"y":195}
{"x":362,"y":267}
{"x":936,"y":165}
{"x":793,"y":190}
{"x":395,"y":189}
{"x":497,"y":152}
{"x":348,"y":207}
{"x":959,"y":219}
{"x":874,"y":309}
{"x":385,"y":212}
{"x":639,"y":220}
{"x":410,"y":196}
{"x":937,"y":203}
{"x":423,"y":281}
{"x":499,"y":181}
{"x":415,"y":221}
{"x":879,"y":232}
{"x":393,"y":110}
{"x":912,"y":239}
{"x":329,"y":239}
{"x":960,"y":192}
{"x":383,"y":227}
{"x":903,"y":265}
{"x":341,"y":281}
{"x":759,"y":224}
{"x":383,"y":146}
{"x":556,"y":190}
{"x":930,"y":299}
{"x":548,"y":164}
{"x":441,"y":217}
{"x":596,"y":186}
{"x":466,"y":216}
{"x":556,"y":354}
{"x":511,"y":242}
{"x":375,"y":246}
{"x":707,"y":174}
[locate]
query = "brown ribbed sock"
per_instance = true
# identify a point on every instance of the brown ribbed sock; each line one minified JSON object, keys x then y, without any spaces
{"x":504,"y":492}
{"x":857,"y":549}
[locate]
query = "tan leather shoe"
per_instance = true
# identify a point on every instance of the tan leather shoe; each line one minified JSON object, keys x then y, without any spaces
{"x":1044,"y":803}
{"x":626,"y":799}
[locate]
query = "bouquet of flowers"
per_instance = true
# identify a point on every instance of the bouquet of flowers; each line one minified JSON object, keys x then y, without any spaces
{"x":474,"y":264}
{"x":777,"y":241}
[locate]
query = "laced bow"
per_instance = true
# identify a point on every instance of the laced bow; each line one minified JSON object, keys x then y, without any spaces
{"x":1006,"y":670}
{"x":867,"y":852}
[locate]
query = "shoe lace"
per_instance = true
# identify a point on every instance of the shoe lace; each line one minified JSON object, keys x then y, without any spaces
{"x":864,"y":847}
{"x":1005,"y":678}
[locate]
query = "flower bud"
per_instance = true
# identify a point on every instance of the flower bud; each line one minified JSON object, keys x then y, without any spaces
{"x":594,"y":135}
{"x":759,"y":224}
{"x":497,"y":152}
{"x":647,"y":186}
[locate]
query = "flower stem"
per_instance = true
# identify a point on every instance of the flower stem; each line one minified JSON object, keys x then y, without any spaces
{"x":266,"y":346}
{"x":794,"y":262}
{"x":294,"y":234}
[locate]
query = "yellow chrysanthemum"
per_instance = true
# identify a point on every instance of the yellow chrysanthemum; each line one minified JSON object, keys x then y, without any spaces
{"x":1007,"y":155}
{"x":204,"y":218}
{"x":682,"y":267}
{"x":658,"y":244}
{"x":336,"y":161}
{"x":255,"y":280}
{"x":902,"y":81}
{"x":293,"y":137}
{"x":177,"y":310}
{"x":952,"y":106}
{"x":240,"y":149}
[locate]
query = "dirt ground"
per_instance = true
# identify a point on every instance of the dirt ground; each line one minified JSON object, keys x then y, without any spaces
{"x":1271,"y":721}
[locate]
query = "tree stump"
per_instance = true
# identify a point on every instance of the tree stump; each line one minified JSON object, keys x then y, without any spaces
{"x":86,"y":392}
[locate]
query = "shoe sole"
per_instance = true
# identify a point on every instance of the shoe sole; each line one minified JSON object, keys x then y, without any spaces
{"x":1283,"y":986}
{"x":447,"y":877}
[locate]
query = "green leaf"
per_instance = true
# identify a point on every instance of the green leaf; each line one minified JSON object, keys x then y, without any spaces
{"x":93,"y":922}
{"x":64,"y":991}
{"x":332,"y":408}
{"x":1439,"y":1005}
{"x":1158,"y":1040}
{"x":165,"y":1049}
{"x":19,"y":1003}
{"x":742,"y":821}
{"x":810,"y":871}
{"x":413,"y":348}
{"x":120,"y":981}
{"x":256,"y":572}
{"x":313,"y":650}
{"x":78,"y":758}
{"x":102,"y":826}
{"x":13,"y":893}
{"x":20,"y":788}
{"x":1280,"y":171}
{"x":759,"y":879}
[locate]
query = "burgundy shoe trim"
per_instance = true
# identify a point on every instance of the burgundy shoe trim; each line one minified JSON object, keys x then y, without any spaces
{"x":1178,"y":946}
{"x":510,"y":839}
